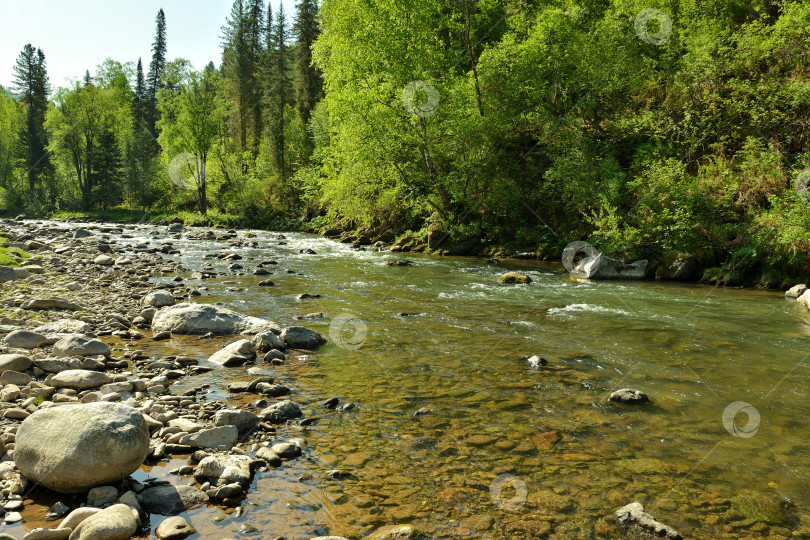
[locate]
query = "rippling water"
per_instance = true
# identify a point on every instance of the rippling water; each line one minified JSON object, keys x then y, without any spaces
{"x":571,"y":459}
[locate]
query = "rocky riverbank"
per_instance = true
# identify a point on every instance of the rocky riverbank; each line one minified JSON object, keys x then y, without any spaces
{"x":83,"y":406}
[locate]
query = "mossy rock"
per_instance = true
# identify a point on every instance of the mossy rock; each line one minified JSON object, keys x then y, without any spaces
{"x":514,"y":277}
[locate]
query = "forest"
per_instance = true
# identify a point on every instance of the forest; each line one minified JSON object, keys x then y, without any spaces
{"x":661,"y":130}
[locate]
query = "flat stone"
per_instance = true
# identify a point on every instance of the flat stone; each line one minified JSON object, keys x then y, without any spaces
{"x":76,"y":345}
{"x":24,"y":339}
{"x":51,"y":303}
{"x":14,"y":362}
{"x":212,"y":437}
{"x":80,"y":379}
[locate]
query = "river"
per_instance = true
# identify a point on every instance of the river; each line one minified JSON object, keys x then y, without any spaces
{"x":509,"y":451}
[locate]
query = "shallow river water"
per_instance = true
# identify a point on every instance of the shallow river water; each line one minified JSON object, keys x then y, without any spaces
{"x":510,"y":451}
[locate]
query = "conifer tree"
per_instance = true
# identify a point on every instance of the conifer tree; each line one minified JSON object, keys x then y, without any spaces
{"x":31,"y":82}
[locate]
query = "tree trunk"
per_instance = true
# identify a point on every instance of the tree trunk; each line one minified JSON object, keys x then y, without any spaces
{"x":201,"y":181}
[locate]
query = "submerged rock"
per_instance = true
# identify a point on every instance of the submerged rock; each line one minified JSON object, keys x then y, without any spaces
{"x":627,"y":395}
{"x":514,"y":277}
{"x":634,"y":513}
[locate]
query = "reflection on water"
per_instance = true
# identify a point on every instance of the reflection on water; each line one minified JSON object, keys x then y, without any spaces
{"x":693,"y":349}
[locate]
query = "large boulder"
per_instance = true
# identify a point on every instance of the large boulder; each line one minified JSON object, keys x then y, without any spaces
{"x":172,"y":500}
{"x":24,"y":339}
{"x":234,"y":354}
{"x":73,"y":448}
{"x":118,"y":522}
{"x":158,"y":299}
{"x":187,"y":318}
{"x":64,"y":326}
{"x":76,"y":345}
{"x":81,"y":379}
{"x":14,"y":362}
{"x":796,"y":291}
{"x":603,"y":267}
{"x":298,"y":337}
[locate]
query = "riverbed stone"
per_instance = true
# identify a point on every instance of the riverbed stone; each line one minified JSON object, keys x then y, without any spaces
{"x":244,"y":421}
{"x":50,"y":303}
{"x":102,"y":496}
{"x":7,"y":273}
{"x":174,"y":528}
{"x":14,"y":362}
{"x":603,"y":267}
{"x":41,"y":533}
{"x":796,"y":291}
{"x":64,"y":326}
{"x":80,"y":379}
{"x":118,"y":522}
{"x":76,"y":345}
{"x":73,"y":448}
{"x":15,"y":377}
{"x":629,"y":396}
{"x":267,"y":341}
{"x":104,"y":260}
{"x":75,"y":517}
{"x":234,"y":354}
{"x":24,"y":339}
{"x":395,"y":532}
{"x":223,"y":469}
{"x":188,"y":318}
{"x":212,"y":437}
{"x":514,"y":278}
{"x":172,"y":500}
{"x":158,"y":299}
{"x":298,"y":337}
{"x":280,"y":412}
{"x":634,"y":513}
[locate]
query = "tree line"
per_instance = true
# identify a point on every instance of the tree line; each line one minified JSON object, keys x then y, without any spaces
{"x":171,"y":136}
{"x":665,"y":129}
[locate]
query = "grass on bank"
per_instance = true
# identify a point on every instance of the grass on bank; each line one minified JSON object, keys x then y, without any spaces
{"x":192,"y":219}
{"x":10,"y":256}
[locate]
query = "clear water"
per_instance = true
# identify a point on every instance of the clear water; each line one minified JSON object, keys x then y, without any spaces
{"x":693,"y":349}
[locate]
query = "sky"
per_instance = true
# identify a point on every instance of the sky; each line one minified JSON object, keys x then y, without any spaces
{"x":77,"y":35}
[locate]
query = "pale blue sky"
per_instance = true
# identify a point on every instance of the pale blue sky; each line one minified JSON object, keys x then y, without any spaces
{"x":78,"y":35}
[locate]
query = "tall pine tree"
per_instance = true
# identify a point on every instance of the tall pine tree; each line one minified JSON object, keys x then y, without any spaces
{"x":31,"y":82}
{"x":279,"y":90}
{"x":156,"y":66}
{"x":308,"y":78}
{"x":243,"y":49}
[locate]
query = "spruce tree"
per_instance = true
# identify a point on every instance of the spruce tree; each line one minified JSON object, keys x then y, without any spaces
{"x":308,"y":78}
{"x":156,"y":66}
{"x":31,"y":82}
{"x":279,"y":89}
